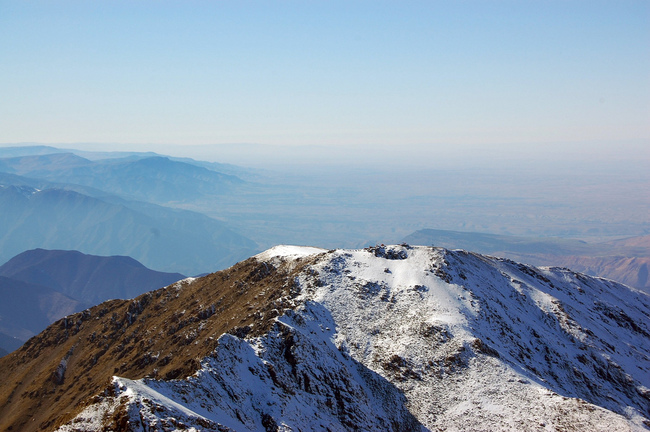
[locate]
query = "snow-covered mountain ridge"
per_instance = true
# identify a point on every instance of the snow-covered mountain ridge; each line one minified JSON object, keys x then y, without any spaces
{"x":403,"y":338}
{"x":470,"y":336}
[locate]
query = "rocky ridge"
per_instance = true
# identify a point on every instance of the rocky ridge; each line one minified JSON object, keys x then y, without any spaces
{"x":382,"y":338}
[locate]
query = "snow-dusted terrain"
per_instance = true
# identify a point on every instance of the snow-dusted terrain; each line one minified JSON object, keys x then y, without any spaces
{"x":414,"y":338}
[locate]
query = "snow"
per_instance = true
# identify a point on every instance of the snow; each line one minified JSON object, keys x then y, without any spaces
{"x":458,"y":340}
{"x":439,"y":311}
{"x":187,"y":281}
{"x":138,"y":389}
{"x":295,"y":376}
{"x":288,"y":252}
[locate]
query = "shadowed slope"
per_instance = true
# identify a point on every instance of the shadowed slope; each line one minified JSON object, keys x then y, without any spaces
{"x":90,"y":279}
{"x":158,"y":237}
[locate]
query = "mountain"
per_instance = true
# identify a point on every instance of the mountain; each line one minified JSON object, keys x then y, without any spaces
{"x":159,"y":237}
{"x":491,"y":243}
{"x":42,"y":165}
{"x":8,"y":344}
{"x":155,"y":179}
{"x":632,"y":271}
{"x":640,"y":244}
{"x":625,"y":260}
{"x":105,"y":156}
{"x":28,"y":308}
{"x":40,"y":286}
{"x":27,"y":150}
{"x":90,"y":279}
{"x":382,"y":338}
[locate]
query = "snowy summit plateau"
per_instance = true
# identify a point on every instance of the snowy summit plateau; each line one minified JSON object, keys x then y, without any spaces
{"x":391,"y":338}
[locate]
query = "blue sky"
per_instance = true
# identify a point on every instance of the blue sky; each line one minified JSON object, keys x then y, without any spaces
{"x":327,"y":73}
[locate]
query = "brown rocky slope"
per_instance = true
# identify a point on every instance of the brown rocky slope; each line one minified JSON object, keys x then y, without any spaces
{"x":51,"y":378}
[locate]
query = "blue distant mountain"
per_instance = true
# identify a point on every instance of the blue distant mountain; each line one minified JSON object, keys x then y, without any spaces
{"x":38,"y":287}
{"x":90,"y":279}
{"x":27,"y":308}
{"x":154,"y":179}
{"x":159,"y":237}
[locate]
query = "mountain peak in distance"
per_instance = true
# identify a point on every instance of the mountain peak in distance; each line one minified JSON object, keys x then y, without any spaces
{"x":88,"y":278}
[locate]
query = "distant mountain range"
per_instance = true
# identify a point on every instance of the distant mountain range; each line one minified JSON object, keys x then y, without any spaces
{"x":54,"y":199}
{"x":43,"y":150}
{"x":159,"y":237}
{"x":28,"y":308}
{"x":175,"y":214}
{"x":153,"y":179}
{"x":395,"y":338}
{"x":89,"y":278}
{"x":8,"y":344}
{"x":40,"y":286}
{"x":625,"y":260}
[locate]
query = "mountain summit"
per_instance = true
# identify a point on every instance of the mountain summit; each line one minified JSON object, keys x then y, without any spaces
{"x":90,"y":279}
{"x":382,"y":338}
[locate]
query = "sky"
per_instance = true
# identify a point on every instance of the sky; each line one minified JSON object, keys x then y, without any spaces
{"x":391,"y":76}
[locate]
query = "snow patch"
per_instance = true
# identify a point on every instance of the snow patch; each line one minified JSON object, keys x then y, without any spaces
{"x":187,"y":281}
{"x":288,"y":252}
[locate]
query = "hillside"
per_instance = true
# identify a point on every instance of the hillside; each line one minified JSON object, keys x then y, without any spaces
{"x":40,"y":286}
{"x":155,"y":179}
{"x":160,"y":238}
{"x":8,"y":344}
{"x":632,"y":271}
{"x":387,"y":338}
{"x":90,"y":279}
{"x":28,"y":308}
{"x":491,"y":243}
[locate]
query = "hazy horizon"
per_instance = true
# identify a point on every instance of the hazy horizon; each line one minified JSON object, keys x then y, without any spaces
{"x":560,"y":156}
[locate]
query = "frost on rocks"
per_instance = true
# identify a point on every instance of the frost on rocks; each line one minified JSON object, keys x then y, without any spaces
{"x":480,"y":342}
{"x":293,"y":378}
{"x":181,"y":283}
{"x":415,"y":338}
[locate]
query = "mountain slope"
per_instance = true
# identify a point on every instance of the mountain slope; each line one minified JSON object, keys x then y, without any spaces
{"x":8,"y":344}
{"x":455,"y":340}
{"x":90,"y":279}
{"x":160,"y":238}
{"x":154,"y":179}
{"x":165,"y":333}
{"x":28,"y":308}
{"x":491,"y":243}
{"x":28,"y":150}
{"x":40,"y":166}
{"x":632,"y":271}
{"x":500,"y":330}
{"x":40,"y":286}
{"x":640,"y":244}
